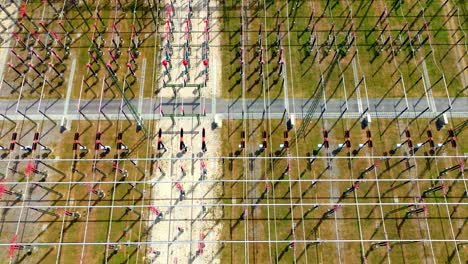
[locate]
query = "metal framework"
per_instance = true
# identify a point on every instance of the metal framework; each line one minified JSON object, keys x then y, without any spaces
{"x":146,"y":192}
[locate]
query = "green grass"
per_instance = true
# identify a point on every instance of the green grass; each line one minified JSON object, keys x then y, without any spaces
{"x":304,"y":74}
{"x":98,"y":219}
{"x":81,"y":35}
{"x":370,"y":216}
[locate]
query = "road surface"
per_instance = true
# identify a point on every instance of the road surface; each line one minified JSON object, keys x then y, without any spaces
{"x":229,"y":108}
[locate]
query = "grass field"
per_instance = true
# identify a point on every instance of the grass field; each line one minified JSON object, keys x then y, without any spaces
{"x":95,"y":224}
{"x":306,"y":65}
{"x":76,"y":30}
{"x":363,"y":219}
{"x":288,"y":202}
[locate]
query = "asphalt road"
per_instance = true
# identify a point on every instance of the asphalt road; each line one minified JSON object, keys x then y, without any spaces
{"x":231,"y":108}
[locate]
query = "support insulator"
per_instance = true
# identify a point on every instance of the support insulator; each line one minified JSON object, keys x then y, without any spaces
{"x":286,"y":139}
{"x":242,"y":142}
{"x":13,"y":141}
{"x":35,"y":141}
{"x":204,"y":149}
{"x":264,"y":140}
{"x":98,"y":140}
{"x":407,"y":133}
{"x":76,"y":140}
{"x":119,"y":140}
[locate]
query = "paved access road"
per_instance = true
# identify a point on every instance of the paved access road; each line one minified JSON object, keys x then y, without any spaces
{"x":230,"y":108}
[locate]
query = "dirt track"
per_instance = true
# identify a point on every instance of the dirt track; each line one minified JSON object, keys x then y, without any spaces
{"x":186,"y":221}
{"x":5,"y":36}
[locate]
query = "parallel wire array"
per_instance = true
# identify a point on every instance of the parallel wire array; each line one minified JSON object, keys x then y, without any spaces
{"x":142,"y":205}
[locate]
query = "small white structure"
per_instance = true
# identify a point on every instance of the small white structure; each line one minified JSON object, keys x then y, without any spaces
{"x":26,"y":148}
{"x":106,"y":148}
{"x":445,"y":119}
{"x":124,"y":147}
{"x":293,"y":119}
{"x":218,"y":121}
